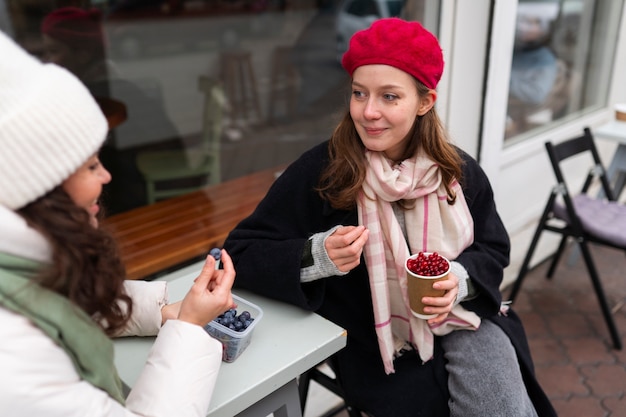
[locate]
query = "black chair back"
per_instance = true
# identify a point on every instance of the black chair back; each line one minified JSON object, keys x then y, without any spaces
{"x":582,"y":218}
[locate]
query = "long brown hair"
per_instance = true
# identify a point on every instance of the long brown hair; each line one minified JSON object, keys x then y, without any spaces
{"x":342,"y":179}
{"x":86,"y":267}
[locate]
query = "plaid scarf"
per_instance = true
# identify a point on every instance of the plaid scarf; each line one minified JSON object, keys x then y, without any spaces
{"x":432,"y":225}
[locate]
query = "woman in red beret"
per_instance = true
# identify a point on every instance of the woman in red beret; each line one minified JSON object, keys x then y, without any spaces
{"x":333,"y":233}
{"x":74,"y":38}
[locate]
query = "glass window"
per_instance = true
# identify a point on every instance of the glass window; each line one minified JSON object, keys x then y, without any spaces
{"x":362,"y":8}
{"x":561,"y":65}
{"x":202,"y":91}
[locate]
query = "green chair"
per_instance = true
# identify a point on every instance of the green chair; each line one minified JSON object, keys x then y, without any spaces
{"x":202,"y":161}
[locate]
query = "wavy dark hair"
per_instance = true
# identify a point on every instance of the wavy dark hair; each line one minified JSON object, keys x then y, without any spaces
{"x":342,"y":179}
{"x":86,"y":267}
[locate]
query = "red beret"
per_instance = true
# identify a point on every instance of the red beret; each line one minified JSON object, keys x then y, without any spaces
{"x":74,"y":26}
{"x":398,"y":43}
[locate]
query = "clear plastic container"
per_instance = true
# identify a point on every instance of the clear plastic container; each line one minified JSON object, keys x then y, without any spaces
{"x":234,"y":342}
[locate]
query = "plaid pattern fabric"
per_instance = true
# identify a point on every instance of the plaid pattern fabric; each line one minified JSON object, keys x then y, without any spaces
{"x":432,"y":225}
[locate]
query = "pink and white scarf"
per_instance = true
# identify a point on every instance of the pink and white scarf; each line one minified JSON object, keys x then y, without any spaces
{"x":431,"y":224}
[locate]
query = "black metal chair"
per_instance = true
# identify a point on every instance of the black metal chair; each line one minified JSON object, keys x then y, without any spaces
{"x":586,"y":219}
{"x":331,"y":383}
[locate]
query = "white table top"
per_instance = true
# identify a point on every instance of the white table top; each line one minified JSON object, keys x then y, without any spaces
{"x":286,"y":342}
{"x":614,"y":130}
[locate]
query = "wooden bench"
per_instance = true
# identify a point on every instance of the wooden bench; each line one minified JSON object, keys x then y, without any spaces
{"x":165,"y":235}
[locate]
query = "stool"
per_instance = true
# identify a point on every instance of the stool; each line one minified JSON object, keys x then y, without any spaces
{"x":283,"y":83}
{"x":240,"y":85}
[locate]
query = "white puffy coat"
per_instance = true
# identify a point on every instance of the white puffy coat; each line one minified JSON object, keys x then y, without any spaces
{"x":39,"y":379}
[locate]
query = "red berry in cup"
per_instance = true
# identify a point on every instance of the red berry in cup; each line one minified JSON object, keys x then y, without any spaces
{"x":428,"y":265}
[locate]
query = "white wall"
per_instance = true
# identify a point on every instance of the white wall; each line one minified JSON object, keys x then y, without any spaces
{"x":462,"y":82}
{"x":520,"y":174}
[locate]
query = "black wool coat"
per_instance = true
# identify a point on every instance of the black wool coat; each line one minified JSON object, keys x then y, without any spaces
{"x":267,"y":248}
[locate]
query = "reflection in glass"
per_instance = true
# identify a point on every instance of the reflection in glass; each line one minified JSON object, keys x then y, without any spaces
{"x":355,"y":15}
{"x":560,"y":67}
{"x":74,"y":38}
{"x":255,"y":82}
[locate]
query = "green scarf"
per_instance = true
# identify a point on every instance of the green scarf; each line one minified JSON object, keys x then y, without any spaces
{"x":70,"y":327}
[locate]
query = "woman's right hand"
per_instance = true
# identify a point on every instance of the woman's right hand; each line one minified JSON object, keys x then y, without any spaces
{"x":210,"y":294}
{"x":345,"y":246}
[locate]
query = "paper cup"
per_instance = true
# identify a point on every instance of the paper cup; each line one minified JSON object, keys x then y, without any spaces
{"x":620,"y":112}
{"x":422,"y":286}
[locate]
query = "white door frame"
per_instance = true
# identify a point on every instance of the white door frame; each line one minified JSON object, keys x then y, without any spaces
{"x":519,"y":173}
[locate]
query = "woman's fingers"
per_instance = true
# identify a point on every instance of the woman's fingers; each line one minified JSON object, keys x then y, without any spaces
{"x":225,"y":278}
{"x":210,"y":294}
{"x":206,"y":273}
{"x":344,"y":236}
{"x":444,"y":304}
{"x":345,"y":246}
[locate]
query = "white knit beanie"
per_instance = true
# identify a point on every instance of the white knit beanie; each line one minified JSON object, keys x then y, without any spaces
{"x":49,"y":125}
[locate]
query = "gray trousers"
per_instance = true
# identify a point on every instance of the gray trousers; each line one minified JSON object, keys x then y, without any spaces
{"x":484,"y":377}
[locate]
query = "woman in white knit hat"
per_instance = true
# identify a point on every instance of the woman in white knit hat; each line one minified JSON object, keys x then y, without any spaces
{"x":62,"y":287}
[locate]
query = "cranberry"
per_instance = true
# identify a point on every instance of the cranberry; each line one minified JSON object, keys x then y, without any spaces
{"x":428,"y":265}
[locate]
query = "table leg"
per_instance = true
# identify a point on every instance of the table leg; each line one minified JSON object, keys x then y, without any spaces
{"x":284,"y":402}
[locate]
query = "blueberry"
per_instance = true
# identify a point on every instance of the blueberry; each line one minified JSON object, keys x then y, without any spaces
{"x":245,"y":315}
{"x":216,"y":253}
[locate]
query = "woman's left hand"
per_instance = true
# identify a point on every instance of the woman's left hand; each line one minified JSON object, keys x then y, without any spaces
{"x":170,"y":311}
{"x":442,"y":305}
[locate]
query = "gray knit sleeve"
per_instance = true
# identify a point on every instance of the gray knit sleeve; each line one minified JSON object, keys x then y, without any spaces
{"x":315,"y":261}
{"x":466,"y":288}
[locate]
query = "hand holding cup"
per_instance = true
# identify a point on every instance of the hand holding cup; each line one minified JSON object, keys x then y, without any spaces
{"x":423,"y":270}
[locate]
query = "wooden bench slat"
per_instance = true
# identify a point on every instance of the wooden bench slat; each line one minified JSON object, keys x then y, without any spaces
{"x":201,"y":199}
{"x":197,"y":216}
{"x":168,"y":233}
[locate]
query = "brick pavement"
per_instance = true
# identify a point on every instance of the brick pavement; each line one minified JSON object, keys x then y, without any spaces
{"x":569,"y":340}
{"x":571,"y":347}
